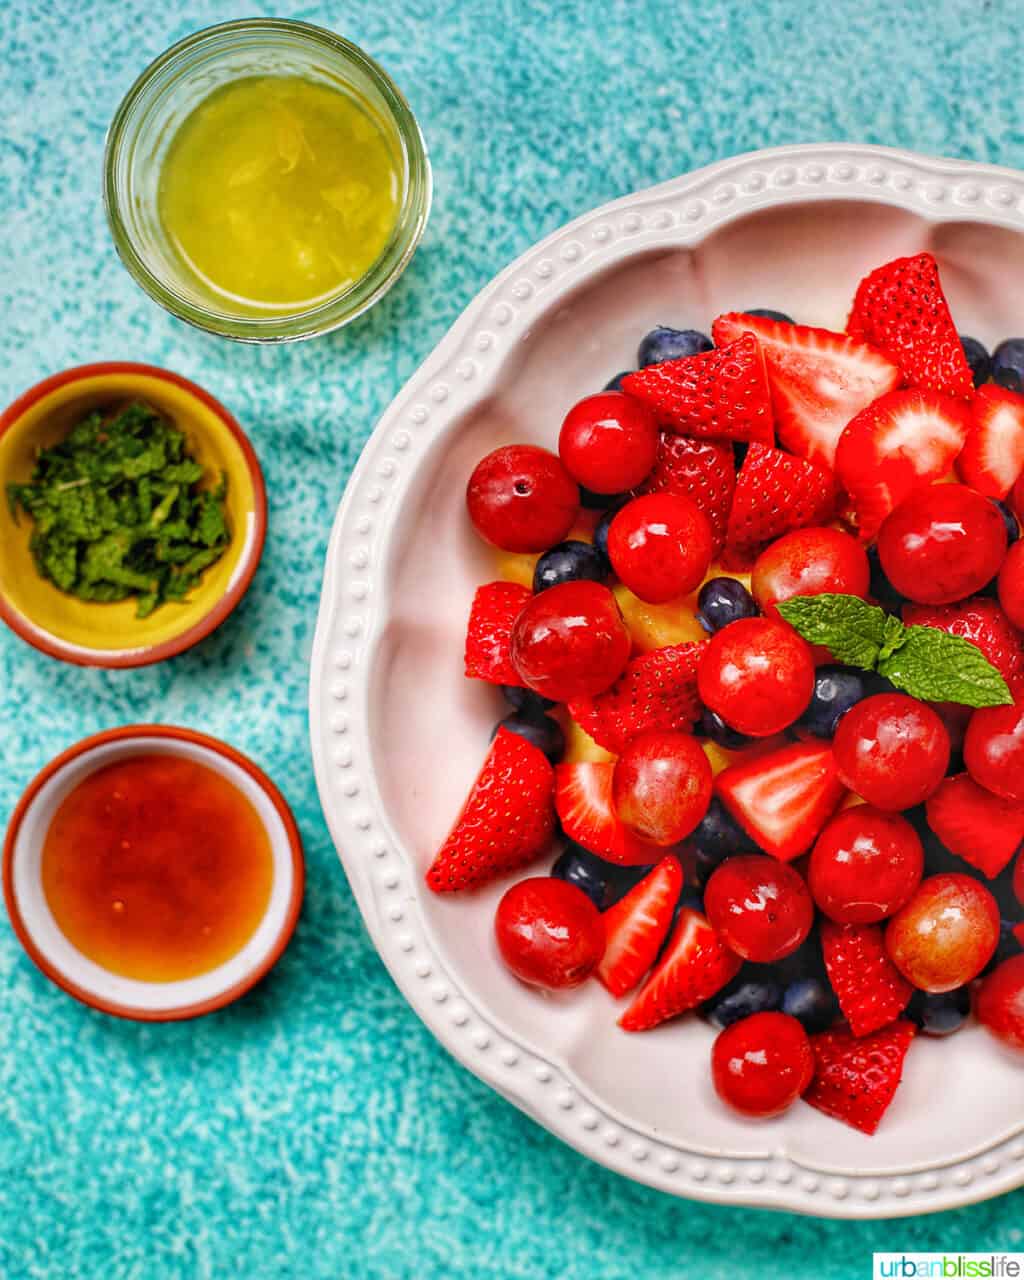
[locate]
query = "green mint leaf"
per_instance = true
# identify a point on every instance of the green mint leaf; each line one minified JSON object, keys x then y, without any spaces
{"x":938,"y":667}
{"x":118,"y":510}
{"x":853,"y":630}
{"x":894,"y":637}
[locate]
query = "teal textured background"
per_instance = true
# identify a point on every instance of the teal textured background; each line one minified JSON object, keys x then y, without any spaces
{"x":316,"y":1129}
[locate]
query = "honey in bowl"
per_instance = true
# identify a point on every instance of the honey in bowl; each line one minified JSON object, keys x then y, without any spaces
{"x":157,"y":867}
{"x":278,"y":193}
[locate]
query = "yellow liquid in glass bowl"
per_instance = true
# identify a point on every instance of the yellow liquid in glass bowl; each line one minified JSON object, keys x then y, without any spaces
{"x":278,"y":193}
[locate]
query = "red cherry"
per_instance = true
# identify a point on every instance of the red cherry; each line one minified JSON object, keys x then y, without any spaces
{"x":660,"y":546}
{"x":999,"y":1004}
{"x":521,"y":498}
{"x":891,"y":750}
{"x":662,"y":786}
{"x":810,"y":562}
{"x":762,"y":1064}
{"x":1011,"y":584}
{"x":1018,"y":879}
{"x":944,"y":543}
{"x":570,"y":641}
{"x":1016,"y":498}
{"x":609,"y":442}
{"x":865,"y":865}
{"x":760,"y":907}
{"x":758,"y":674}
{"x":946,"y":934}
{"x":994,"y":750}
{"x":549,"y":932}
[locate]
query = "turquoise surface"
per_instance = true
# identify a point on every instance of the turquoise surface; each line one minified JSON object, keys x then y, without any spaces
{"x":316,"y":1129}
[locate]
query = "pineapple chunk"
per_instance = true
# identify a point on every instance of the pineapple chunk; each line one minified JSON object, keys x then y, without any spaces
{"x":653,"y":626}
{"x":580,"y":746}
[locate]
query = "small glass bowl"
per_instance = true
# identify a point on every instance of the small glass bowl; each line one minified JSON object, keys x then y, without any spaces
{"x":171,"y":87}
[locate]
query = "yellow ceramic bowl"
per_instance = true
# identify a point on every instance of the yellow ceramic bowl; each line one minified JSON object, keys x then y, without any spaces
{"x":109,"y":635}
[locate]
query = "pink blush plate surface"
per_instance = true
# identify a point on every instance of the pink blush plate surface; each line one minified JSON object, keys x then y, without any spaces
{"x":398,"y":732}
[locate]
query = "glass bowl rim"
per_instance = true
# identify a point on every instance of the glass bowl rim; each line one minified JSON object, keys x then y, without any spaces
{"x":309,"y":321}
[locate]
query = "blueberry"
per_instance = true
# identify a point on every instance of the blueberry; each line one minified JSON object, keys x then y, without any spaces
{"x":766,"y":313}
{"x":1011,"y":522}
{"x":978,"y":358}
{"x":1009,"y":945}
{"x":669,"y":344}
{"x":812,"y":1002}
{"x":805,"y":962}
{"x":545,"y":734}
{"x":1008,"y":364}
{"x":718,"y":836}
{"x":601,"y":532}
{"x":525,"y":700}
{"x":616,"y":383}
{"x":876,"y":683}
{"x":598,"y":879}
{"x":569,"y":562}
{"x":940,"y":1014}
{"x":725,"y":735}
{"x":723,"y":600}
{"x":598,"y":501}
{"x":741,"y":998}
{"x":881,"y":588}
{"x":836,"y":690}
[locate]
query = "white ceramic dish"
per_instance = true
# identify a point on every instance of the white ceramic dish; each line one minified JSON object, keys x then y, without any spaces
{"x":398,"y":733}
{"x":81,"y":977}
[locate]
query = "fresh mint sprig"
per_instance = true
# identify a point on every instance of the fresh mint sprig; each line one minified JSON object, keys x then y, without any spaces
{"x":922,"y":661}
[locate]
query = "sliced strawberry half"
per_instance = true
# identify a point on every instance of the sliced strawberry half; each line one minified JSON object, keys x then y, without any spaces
{"x":695,"y":965}
{"x":900,"y":310}
{"x":495,"y":608}
{"x":775,"y":493}
{"x":784,"y":798}
{"x":637,"y":925}
{"x":703,"y":470}
{"x":856,"y":1078}
{"x":904,"y":440}
{"x":819,"y":380}
{"x":983,"y":829}
{"x":583,"y":799}
{"x":719,"y":394}
{"x":657,"y":690}
{"x":870,"y":989}
{"x":993,"y":455}
{"x":982,"y":622}
{"x":507,"y":820}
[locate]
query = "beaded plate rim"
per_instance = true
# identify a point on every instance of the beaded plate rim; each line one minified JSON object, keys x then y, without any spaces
{"x":382,"y":873}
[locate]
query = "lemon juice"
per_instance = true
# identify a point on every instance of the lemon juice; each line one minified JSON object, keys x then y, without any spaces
{"x":278,"y":193}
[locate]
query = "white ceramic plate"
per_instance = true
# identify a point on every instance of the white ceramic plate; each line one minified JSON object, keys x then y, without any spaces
{"x":398,"y":733}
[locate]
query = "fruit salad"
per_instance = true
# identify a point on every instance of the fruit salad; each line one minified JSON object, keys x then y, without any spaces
{"x":758,"y":623}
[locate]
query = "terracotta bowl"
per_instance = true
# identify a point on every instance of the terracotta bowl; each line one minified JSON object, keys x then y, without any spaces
{"x":81,"y":977}
{"x":109,"y":635}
